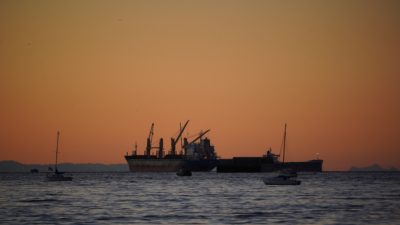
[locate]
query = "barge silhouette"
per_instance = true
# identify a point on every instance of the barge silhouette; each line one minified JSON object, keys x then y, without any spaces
{"x":261,"y":164}
{"x":267,"y":163}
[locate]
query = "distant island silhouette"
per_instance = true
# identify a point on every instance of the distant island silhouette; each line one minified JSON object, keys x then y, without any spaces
{"x":372,"y":168}
{"x":10,"y":166}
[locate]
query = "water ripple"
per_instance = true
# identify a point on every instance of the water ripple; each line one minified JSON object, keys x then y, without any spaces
{"x":204,"y":198}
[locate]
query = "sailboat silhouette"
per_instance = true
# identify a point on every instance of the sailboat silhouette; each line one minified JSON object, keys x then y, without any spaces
{"x":57,"y":175}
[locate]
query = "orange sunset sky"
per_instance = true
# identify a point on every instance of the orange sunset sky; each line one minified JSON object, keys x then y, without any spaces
{"x":102,"y":71}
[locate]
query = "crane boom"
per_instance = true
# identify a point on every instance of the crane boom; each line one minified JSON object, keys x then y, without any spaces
{"x":174,"y":141}
{"x":151,"y":133}
{"x":200,"y":136}
{"x":181,"y":132}
{"x":150,"y":140}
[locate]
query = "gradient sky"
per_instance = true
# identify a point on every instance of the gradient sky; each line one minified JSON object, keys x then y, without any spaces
{"x":102,"y":71}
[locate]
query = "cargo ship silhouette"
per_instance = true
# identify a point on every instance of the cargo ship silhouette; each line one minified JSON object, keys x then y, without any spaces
{"x":200,"y":155}
{"x":196,"y":155}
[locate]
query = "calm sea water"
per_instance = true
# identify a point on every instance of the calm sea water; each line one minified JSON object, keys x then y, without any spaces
{"x":204,"y":198}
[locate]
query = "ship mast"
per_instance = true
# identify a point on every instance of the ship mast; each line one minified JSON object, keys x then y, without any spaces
{"x":284,"y":144}
{"x":58,"y":137}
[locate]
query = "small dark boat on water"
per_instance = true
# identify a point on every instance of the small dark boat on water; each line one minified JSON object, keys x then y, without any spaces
{"x":286,"y":176}
{"x":184,"y":172}
{"x":57,"y":175}
{"x":34,"y":170}
{"x":281,"y":180}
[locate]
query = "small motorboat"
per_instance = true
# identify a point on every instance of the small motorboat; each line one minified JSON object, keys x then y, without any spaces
{"x":281,"y":180}
{"x":184,"y":172}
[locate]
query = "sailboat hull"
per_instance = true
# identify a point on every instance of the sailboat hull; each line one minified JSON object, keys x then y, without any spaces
{"x":58,"y":177}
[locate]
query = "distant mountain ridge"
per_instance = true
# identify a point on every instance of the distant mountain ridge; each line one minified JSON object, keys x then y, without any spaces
{"x":13,"y":166}
{"x":371,"y":168}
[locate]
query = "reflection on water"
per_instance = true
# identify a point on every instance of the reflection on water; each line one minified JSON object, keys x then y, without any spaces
{"x":109,"y":198}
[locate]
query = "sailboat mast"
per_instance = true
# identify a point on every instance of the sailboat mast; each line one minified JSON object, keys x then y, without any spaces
{"x":58,"y":137}
{"x":284,"y":144}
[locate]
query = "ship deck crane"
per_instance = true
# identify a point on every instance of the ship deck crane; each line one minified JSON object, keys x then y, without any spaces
{"x":200,"y":136}
{"x":150,"y":140}
{"x":174,"y":141}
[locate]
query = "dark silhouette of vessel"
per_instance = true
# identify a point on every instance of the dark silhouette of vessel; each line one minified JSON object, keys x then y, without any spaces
{"x":57,"y":175}
{"x":269,"y":162}
{"x":184,"y":172}
{"x":196,"y":155}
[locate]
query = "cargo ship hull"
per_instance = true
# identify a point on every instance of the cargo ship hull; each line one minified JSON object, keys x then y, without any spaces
{"x":201,"y":165}
{"x":154,"y":165}
{"x":261,"y":164}
{"x":308,"y":166}
{"x":169,"y":165}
